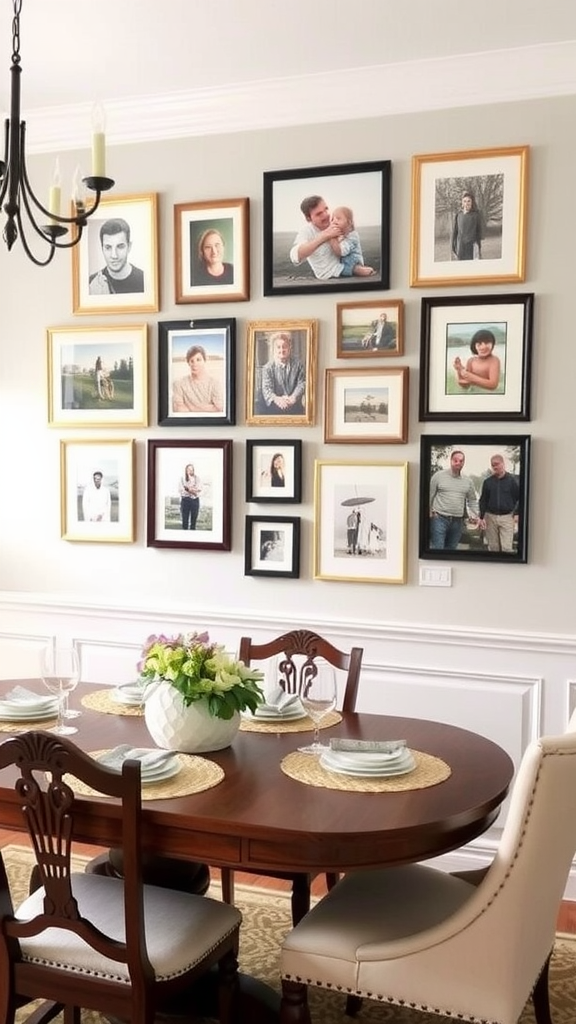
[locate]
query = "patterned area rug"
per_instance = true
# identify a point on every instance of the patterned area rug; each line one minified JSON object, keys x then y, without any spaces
{"x":267,"y":920}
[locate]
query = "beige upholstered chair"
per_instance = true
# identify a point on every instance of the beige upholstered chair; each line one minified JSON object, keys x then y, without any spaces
{"x":84,"y":940}
{"x":471,"y":947}
{"x":304,"y":646}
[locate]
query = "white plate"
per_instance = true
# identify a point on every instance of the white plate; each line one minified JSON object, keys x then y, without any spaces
{"x":292,"y":715}
{"x":354,"y":759}
{"x":11,"y":715}
{"x":170,"y":769}
{"x":403,"y":769}
{"x":125,"y":695}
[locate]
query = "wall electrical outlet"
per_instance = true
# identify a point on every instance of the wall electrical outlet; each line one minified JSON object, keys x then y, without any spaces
{"x":433,"y":577}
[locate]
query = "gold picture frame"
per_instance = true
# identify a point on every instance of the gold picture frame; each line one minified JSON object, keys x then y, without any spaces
{"x":97,"y":511}
{"x":469,"y":213}
{"x":275,"y":397}
{"x":368,"y":330}
{"x":228,"y":221}
{"x":367,"y":406}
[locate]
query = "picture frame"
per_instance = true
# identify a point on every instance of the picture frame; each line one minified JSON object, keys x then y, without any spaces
{"x":497,"y":470}
{"x":272,"y":546}
{"x":97,"y":490}
{"x":372,"y":549}
{"x":489,"y":185}
{"x":98,"y":376}
{"x":100,"y":259}
{"x":366,"y":406}
{"x":266,"y":480}
{"x":368,"y":330}
{"x":271,"y":400}
{"x":197,"y":372}
{"x":203,"y":521}
{"x":475,"y":357}
{"x":216,"y":235}
{"x":365,"y":188}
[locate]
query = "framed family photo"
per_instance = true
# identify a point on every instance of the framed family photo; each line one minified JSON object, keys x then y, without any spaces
{"x":327,"y":229}
{"x":115,"y":264}
{"x":474,"y":492}
{"x":98,"y":376}
{"x":475,"y":357}
{"x":196,"y":372}
{"x":212,"y":251}
{"x":97,"y":491}
{"x":469,"y":213}
{"x":190,"y":494}
{"x":272,"y":546}
{"x":366,"y":406}
{"x":274,"y":471}
{"x":360,"y":518}
{"x":369,"y":329}
{"x":281,"y":372}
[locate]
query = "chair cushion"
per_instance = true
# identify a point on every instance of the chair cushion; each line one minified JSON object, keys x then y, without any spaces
{"x":181,"y":929}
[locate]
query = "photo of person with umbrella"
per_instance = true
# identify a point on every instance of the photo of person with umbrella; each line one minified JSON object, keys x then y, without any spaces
{"x":360,"y":525}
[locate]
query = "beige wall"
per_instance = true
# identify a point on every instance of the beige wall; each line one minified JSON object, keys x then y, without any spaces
{"x":535,"y":597}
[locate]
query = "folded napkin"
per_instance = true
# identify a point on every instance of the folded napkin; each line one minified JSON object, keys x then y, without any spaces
{"x":20,"y":695}
{"x":150,"y":759}
{"x":368,"y":746}
{"x":279,"y":700}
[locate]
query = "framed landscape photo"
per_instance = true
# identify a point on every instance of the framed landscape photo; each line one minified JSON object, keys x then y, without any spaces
{"x":368,"y":406}
{"x":196,"y":373}
{"x":368,"y":329}
{"x":281,"y":372}
{"x":274,"y":471}
{"x":474,"y":492}
{"x":327,"y":229}
{"x":360,"y":518}
{"x":190,"y":494}
{"x":97,"y":491}
{"x":469,"y":213}
{"x":115,"y":264}
{"x":272,"y":546}
{"x":212,"y":251}
{"x":475,"y":357}
{"x":98,"y":376}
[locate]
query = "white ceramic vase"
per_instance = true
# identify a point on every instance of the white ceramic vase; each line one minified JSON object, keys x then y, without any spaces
{"x":192,"y":730}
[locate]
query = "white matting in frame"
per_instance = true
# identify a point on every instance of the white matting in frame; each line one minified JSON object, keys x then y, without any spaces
{"x":97,"y":510}
{"x":372,"y":549}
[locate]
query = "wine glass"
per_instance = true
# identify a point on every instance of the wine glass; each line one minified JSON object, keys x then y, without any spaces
{"x":318,"y":698}
{"x":60,"y":670}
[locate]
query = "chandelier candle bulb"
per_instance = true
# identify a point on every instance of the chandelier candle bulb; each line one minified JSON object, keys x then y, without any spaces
{"x":55,"y":192}
{"x":98,"y":141}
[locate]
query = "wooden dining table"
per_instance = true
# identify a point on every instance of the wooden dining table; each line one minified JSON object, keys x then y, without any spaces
{"x":261,"y":819}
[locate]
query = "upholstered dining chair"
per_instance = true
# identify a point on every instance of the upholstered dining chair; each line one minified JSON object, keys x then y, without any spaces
{"x":304,"y":646}
{"x":473,"y":945}
{"x":88,"y":941}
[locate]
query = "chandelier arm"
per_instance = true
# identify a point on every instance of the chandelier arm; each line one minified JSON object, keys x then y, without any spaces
{"x":4,"y":166}
{"x":26,"y":247}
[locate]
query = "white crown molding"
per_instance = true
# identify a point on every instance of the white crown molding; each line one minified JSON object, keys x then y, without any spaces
{"x":499,"y":76}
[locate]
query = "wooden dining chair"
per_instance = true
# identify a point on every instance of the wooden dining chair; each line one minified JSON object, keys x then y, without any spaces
{"x":305,"y":646}
{"x":115,"y":946}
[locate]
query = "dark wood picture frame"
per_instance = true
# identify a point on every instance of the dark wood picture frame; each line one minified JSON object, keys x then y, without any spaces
{"x":216,"y":339}
{"x":167,"y":463}
{"x":272,"y":546}
{"x":365,"y":189}
{"x":366,"y":406}
{"x":264,"y":484}
{"x":467,"y":539}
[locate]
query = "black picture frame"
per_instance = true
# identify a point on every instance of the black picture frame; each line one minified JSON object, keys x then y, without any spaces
{"x":365,"y":186}
{"x":472,"y":541}
{"x":260,"y":484}
{"x":212,"y":462}
{"x":272,"y":546}
{"x":451,"y":328}
{"x":217,"y":338}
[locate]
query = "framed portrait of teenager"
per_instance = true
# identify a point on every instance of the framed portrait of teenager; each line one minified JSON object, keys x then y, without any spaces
{"x":272,"y":546}
{"x":327,"y":229}
{"x":212,"y":251}
{"x":475,"y":357}
{"x":365,"y":330}
{"x":474,"y":497}
{"x":115,"y":264}
{"x":469,"y":213}
{"x":190,"y":494}
{"x":196,"y":373}
{"x":274,"y":471}
{"x":98,"y":376}
{"x":281,"y":372}
{"x":97,"y":490}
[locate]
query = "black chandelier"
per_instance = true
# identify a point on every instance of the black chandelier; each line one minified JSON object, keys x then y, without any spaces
{"x":15,"y":185}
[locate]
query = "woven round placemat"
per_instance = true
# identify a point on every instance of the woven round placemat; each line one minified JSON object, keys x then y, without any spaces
{"x":101,"y":700}
{"x":195,"y":775}
{"x":429,"y":771}
{"x":300,"y":725}
{"x":23,"y":726}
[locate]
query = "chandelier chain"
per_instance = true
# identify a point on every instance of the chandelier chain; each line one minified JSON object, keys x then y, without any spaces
{"x":16,"y":32}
